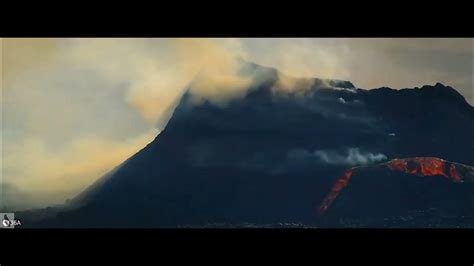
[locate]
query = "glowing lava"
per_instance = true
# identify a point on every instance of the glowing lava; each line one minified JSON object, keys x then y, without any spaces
{"x":423,"y":166}
{"x":419,"y":166}
{"x":340,"y":184}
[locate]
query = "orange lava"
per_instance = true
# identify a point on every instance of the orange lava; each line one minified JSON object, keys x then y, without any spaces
{"x":420,"y":166}
{"x":425,"y":166}
{"x":340,"y":184}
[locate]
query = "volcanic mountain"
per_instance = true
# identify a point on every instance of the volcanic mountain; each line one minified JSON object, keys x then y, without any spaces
{"x":272,"y":154}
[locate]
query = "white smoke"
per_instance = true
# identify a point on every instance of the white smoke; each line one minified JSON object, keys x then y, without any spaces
{"x":352,"y":156}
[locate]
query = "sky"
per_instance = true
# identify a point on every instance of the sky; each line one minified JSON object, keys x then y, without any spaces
{"x":72,"y":109}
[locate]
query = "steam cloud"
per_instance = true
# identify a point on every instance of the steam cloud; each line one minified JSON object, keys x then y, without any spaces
{"x":353,"y":156}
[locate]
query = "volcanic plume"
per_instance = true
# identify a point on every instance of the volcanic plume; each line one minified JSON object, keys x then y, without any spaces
{"x":417,"y":166}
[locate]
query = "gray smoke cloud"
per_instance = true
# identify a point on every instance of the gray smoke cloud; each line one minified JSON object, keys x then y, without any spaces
{"x":352,"y":156}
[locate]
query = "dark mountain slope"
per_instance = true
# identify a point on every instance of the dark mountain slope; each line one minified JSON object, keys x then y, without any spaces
{"x":409,"y":192}
{"x":270,"y":156}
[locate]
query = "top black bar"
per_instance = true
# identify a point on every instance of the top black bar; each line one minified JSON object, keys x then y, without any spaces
{"x":344,"y":22}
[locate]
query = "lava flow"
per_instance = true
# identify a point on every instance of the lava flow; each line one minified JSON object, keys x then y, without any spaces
{"x":419,"y":166}
{"x":340,"y":184}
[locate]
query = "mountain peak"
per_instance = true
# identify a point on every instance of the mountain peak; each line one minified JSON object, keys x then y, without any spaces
{"x":251,"y":68}
{"x":439,"y":85}
{"x":442,"y":91}
{"x":268,"y":154}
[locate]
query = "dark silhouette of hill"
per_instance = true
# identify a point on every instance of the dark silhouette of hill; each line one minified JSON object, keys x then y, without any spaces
{"x":270,"y":156}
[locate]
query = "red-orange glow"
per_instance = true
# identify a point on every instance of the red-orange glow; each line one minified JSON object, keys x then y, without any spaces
{"x":420,"y":166}
{"x":453,"y":172}
{"x":340,"y":184}
{"x":424,"y":166}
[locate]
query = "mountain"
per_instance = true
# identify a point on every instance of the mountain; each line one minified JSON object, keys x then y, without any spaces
{"x":271,"y":155}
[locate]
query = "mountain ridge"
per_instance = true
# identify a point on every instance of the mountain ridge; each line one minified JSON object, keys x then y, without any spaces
{"x":236,"y":162}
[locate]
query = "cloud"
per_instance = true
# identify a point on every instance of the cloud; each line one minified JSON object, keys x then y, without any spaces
{"x":159,"y":70}
{"x":13,"y":199}
{"x":75,"y":108}
{"x":352,"y":156}
{"x":155,"y":71}
{"x":52,"y":176}
{"x":286,"y":83}
{"x":374,"y":62}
